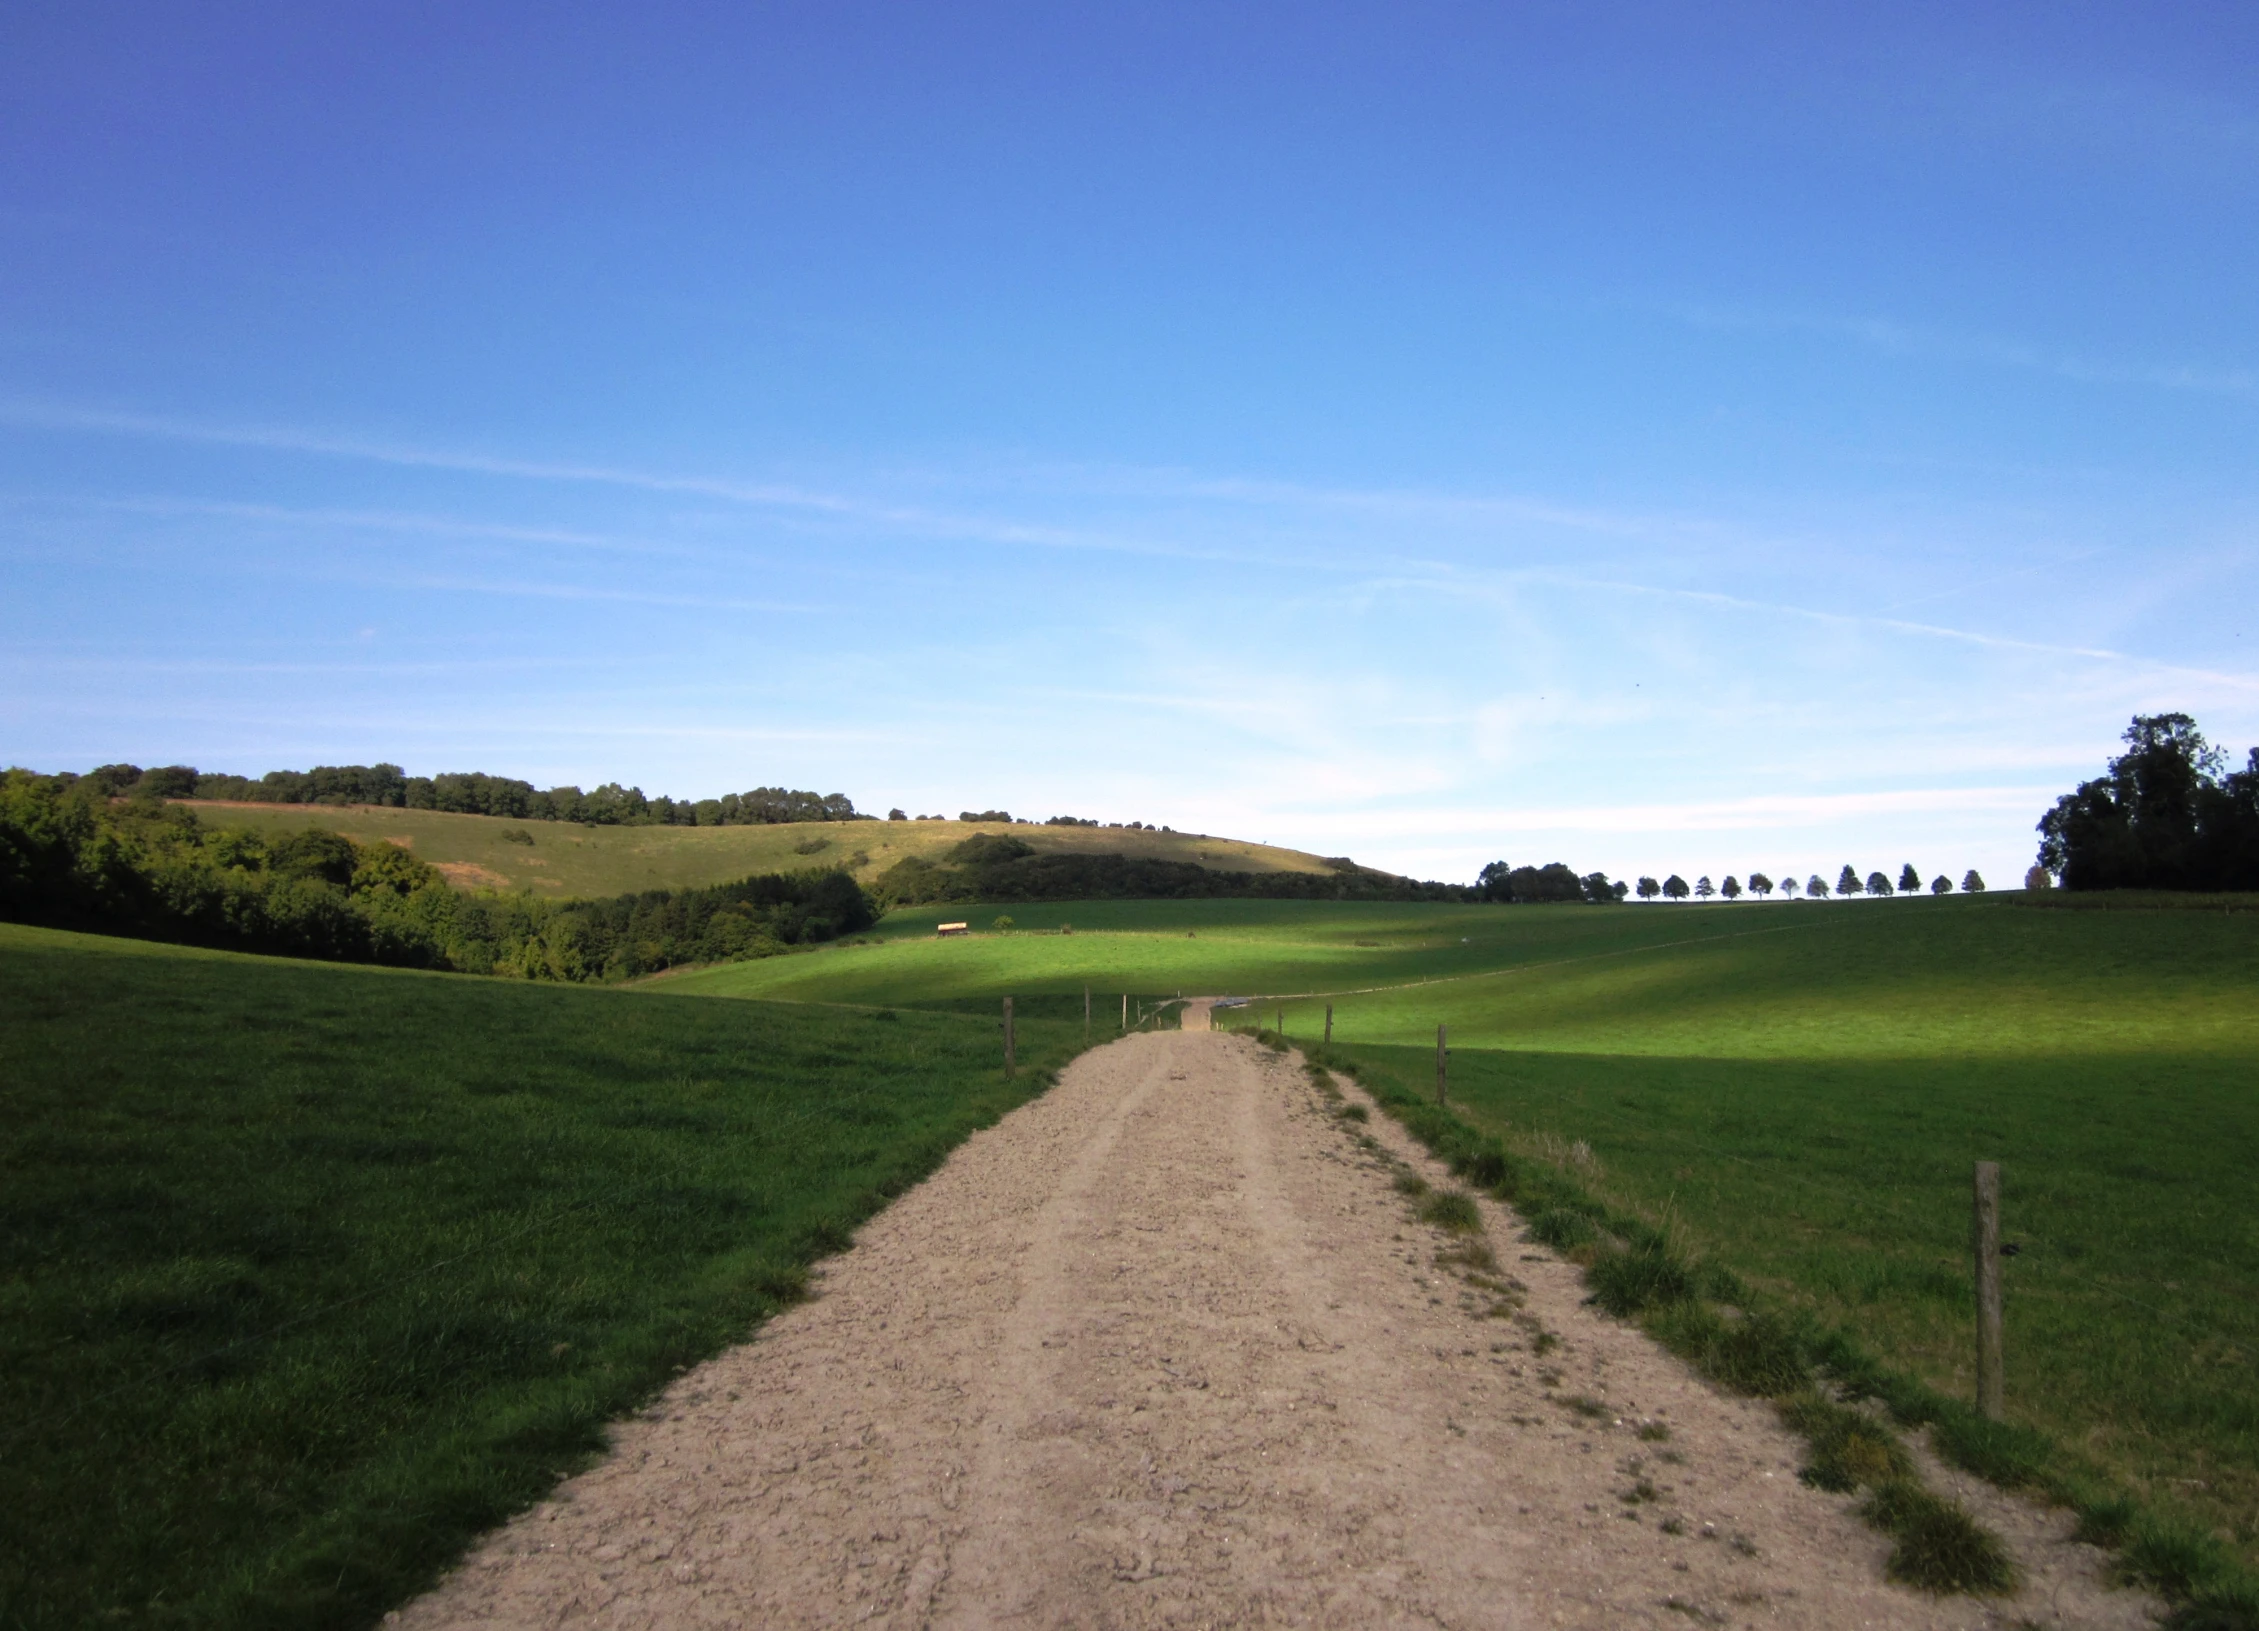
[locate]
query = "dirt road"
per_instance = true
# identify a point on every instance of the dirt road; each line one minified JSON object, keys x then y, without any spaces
{"x":1166,"y":1348}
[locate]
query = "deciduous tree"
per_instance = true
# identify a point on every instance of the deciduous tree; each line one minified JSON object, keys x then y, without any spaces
{"x":1675,"y":887}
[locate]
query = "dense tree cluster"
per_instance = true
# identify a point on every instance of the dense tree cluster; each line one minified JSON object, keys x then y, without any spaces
{"x":474,"y":793}
{"x":1534,"y":885}
{"x":73,"y":858}
{"x":2166,"y":814}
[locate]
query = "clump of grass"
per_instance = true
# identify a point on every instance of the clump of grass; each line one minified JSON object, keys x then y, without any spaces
{"x":1626,"y":1283}
{"x":2174,"y":1556}
{"x":1940,"y":1548}
{"x":1452,"y":1209}
{"x":1849,"y":1450}
{"x":1562,"y":1229}
{"x":1355,"y":1112}
{"x":2106,"y":1522}
{"x":1754,"y":1354}
{"x":1410,"y":1183}
{"x":1586,"y":1406}
{"x":1654,"y":1432}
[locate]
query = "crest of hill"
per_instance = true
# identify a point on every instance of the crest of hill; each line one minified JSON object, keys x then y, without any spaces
{"x":567,"y":861}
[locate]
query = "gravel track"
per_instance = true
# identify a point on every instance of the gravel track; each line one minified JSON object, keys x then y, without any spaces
{"x":1165,"y":1348}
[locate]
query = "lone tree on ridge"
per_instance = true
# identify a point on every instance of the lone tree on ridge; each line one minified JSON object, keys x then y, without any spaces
{"x":1972,"y":883}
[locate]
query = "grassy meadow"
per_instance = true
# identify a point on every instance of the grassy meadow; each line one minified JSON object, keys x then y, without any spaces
{"x":570,"y":861}
{"x":311,"y":1272}
{"x":1800,"y":1091}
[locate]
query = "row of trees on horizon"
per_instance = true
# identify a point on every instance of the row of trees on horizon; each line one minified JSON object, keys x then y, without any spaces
{"x":1847,"y":883}
{"x":471,"y":792}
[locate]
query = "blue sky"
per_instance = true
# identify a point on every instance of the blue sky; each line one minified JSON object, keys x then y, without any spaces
{"x":1695,"y":438}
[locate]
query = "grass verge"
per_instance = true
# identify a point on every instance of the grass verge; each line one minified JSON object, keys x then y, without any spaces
{"x":1637,"y":1269}
{"x":310,"y":1273}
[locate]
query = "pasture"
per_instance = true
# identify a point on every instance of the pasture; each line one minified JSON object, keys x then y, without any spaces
{"x":311,"y":1271}
{"x":566,"y":860}
{"x":1799,"y":1091}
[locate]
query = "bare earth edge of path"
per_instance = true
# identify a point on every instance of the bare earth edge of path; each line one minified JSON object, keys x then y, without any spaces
{"x":1166,"y":1348}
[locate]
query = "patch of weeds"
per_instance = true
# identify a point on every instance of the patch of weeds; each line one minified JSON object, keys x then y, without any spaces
{"x":1640,"y":1494}
{"x":1355,"y":1112}
{"x":2106,"y":1522}
{"x":1654,"y":1432}
{"x":1468,"y":1254}
{"x":2173,"y":1556}
{"x":1939,"y":1547}
{"x":1627,"y":1283}
{"x":1562,"y":1229}
{"x":2226,"y":1608}
{"x":1452,"y":1209}
{"x":1849,"y":1450}
{"x":1549,"y":1377}
{"x":1673,"y":1525}
{"x":1586,"y":1406}
{"x":1755,"y":1355}
{"x":1410,"y":1183}
{"x":1999,"y":1452}
{"x":1744,"y":1545}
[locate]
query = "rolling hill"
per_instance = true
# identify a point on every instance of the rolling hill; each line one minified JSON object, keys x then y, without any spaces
{"x":566,"y":860}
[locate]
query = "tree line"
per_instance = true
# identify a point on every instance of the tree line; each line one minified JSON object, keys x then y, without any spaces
{"x":72,"y":857}
{"x":469,"y":792}
{"x":2165,"y":814}
{"x":1847,"y":883}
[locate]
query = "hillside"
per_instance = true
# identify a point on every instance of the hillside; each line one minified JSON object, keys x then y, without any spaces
{"x":568,"y":860}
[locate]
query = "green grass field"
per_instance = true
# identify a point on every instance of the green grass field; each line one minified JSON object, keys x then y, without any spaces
{"x":310,"y":1272}
{"x":566,"y":860}
{"x":1800,"y":1089}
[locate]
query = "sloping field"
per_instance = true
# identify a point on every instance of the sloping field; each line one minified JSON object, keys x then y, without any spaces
{"x":566,"y":859}
{"x":1800,"y":1090}
{"x":310,"y":1272}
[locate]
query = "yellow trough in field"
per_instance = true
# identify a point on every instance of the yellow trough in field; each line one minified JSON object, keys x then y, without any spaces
{"x":951,"y":928}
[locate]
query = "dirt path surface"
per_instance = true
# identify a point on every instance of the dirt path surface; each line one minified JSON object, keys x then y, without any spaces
{"x":1165,"y":1348}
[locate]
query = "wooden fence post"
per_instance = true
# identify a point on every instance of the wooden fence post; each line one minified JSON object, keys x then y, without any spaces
{"x":1990,"y":1387}
{"x":1442,"y":1079}
{"x":1125,"y":1013}
{"x":1329,"y":1027}
{"x":1008,"y":1060}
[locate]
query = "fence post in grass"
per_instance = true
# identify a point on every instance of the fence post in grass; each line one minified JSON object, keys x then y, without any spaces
{"x":1442,"y":1078}
{"x":1125,"y":1013}
{"x":1008,"y":1060}
{"x":1329,"y":1028}
{"x":1989,"y":1384}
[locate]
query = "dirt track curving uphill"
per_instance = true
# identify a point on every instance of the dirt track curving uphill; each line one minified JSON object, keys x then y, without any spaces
{"x":1166,"y":1348}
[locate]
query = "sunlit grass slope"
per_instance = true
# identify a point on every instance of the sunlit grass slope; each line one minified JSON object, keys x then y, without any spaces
{"x":1203,"y":947}
{"x":568,"y":860}
{"x":1801,"y":1089}
{"x":309,"y":1272}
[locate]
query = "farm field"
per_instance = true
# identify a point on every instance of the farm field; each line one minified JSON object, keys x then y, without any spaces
{"x":567,"y":860}
{"x":1800,"y":1090}
{"x":314,"y":1271}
